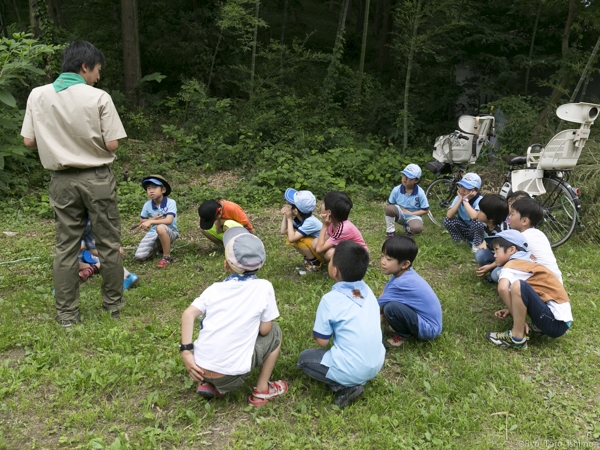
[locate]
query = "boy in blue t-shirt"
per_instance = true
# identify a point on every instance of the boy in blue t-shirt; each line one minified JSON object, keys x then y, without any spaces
{"x":408,"y":304}
{"x":350,"y":315}
{"x":301,"y":227}
{"x":461,"y":218}
{"x":159,"y":215}
{"x":406,"y":204}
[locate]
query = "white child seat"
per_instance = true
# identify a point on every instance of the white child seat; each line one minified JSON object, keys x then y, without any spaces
{"x":561,"y":153}
{"x":451,"y":148}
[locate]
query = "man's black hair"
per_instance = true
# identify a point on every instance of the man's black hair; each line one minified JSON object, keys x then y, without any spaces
{"x":301,"y":215}
{"x":504,"y":244}
{"x":78,"y":53}
{"x":530,"y":209}
{"x":517,"y":195}
{"x":401,"y":248}
{"x":352,"y":260}
{"x":494,"y":207}
{"x":339,"y":204}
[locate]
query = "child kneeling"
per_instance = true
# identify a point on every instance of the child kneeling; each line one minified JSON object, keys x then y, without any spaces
{"x":349,"y":314}
{"x":237,"y":333}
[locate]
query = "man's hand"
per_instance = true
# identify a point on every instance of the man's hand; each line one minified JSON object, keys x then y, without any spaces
{"x":502,"y":314}
{"x":195,"y":371}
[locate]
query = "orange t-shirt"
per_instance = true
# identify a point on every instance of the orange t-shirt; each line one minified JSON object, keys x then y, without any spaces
{"x":233,"y":211}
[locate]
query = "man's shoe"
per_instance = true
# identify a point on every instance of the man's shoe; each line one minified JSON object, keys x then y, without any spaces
{"x":130,"y":281}
{"x":115,"y":314}
{"x":67,"y":323}
{"x":84,"y":274}
{"x":164,"y":261}
{"x":505,"y":339}
{"x":348,"y":395}
{"x":394,"y":342}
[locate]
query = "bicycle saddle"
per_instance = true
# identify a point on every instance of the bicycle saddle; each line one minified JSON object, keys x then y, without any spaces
{"x":514,"y":160}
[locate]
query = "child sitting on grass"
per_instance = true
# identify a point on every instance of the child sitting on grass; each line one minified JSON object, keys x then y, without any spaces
{"x":408,"y":304}
{"x":301,"y":227}
{"x":527,"y":288}
{"x":214,"y":213}
{"x":159,"y":216}
{"x":237,"y":332}
{"x":461,"y":218}
{"x":493,"y":211}
{"x":336,"y":228}
{"x":406,"y":204}
{"x":350,"y":315}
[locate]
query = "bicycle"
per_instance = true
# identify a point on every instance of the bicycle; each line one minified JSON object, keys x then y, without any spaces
{"x":543,"y":173}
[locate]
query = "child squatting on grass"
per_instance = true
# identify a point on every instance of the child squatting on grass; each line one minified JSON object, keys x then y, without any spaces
{"x":409,"y":306}
{"x":461,"y":218}
{"x":301,"y":227}
{"x":213,"y":215}
{"x":237,"y":333}
{"x":159,"y":215}
{"x":407,"y":204}
{"x":336,"y":228}
{"x":527,"y":288}
{"x":350,"y":315}
{"x":493,"y":211}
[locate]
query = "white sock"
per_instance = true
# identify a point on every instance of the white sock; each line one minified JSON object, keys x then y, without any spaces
{"x":390,"y":224}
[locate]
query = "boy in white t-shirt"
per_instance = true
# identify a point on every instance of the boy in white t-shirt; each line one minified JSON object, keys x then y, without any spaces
{"x":524,"y":215}
{"x":527,"y":288}
{"x":237,"y":333}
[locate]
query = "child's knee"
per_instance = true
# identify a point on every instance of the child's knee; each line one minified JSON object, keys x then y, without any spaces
{"x":415,"y":226}
{"x":391,"y":211}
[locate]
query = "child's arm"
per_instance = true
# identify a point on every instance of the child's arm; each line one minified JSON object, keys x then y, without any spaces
{"x":472,"y":212}
{"x":165,"y":219}
{"x":322,"y":245}
{"x":420,"y":212}
{"x":453,"y":210}
{"x":481,"y":271}
{"x":187,"y":336}
{"x":265,"y":328}
{"x":287,"y":225}
{"x":321,"y":342}
{"x":284,"y":223}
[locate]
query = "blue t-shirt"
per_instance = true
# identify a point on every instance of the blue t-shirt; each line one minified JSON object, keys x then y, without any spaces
{"x":311,"y":226}
{"x":462,"y":212}
{"x":357,"y":353}
{"x":167,"y":207}
{"x":412,"y":202}
{"x":413,"y":291}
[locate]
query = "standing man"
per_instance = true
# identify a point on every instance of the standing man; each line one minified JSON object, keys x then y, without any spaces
{"x":76,"y":129}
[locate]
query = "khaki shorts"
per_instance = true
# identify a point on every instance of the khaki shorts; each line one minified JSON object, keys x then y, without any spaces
{"x":264,"y":346}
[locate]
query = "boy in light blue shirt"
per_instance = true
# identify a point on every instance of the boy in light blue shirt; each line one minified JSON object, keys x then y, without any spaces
{"x":407,"y":204}
{"x":350,"y":315}
{"x":159,"y":216}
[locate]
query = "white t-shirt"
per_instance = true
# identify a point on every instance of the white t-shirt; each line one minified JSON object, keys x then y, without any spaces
{"x":539,"y":245}
{"x":234,"y":310}
{"x":561,"y":311}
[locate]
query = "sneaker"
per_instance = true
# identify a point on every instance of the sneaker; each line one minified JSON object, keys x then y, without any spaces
{"x":130,"y":281}
{"x":474,"y":248}
{"x":67,"y":323}
{"x":348,"y":395}
{"x":505,"y":339}
{"x":115,"y":314}
{"x":305,"y":262}
{"x":390,"y":235}
{"x":276,"y":388}
{"x":208,"y":391}
{"x":310,"y":267}
{"x":164,"y":261}
{"x":394,"y":342}
{"x":84,"y":274}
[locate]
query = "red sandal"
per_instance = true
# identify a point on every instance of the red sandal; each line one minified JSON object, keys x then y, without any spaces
{"x":276,"y":388}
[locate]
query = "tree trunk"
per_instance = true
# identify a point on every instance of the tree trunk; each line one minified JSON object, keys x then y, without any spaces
{"x":361,"y":16}
{"x":337,"y":46}
{"x":558,"y":91}
{"x":409,"y":64}
{"x":3,"y":22}
{"x":363,"y":48}
{"x":377,"y":18}
{"x":535,"y":25}
{"x":385,"y":29}
{"x":253,"y":63}
{"x":214,"y":58}
{"x":34,"y":17}
{"x":584,"y":74}
{"x":131,"y":49}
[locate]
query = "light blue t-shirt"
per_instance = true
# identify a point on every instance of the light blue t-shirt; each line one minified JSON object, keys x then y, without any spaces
{"x":311,"y":226}
{"x":413,"y":291}
{"x":167,"y":207}
{"x":357,"y":353}
{"x":462,"y":212}
{"x":414,"y":201}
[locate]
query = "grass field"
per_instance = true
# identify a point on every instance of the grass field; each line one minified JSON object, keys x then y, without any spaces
{"x":121,"y":384}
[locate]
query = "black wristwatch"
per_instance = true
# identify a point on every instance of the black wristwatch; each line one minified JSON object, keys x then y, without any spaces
{"x":183,"y":347}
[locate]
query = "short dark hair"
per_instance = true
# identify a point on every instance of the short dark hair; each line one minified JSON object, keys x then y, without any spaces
{"x":504,"y":244}
{"x":514,"y":196}
{"x":495,"y":207}
{"x":78,"y":53}
{"x":352,"y":260}
{"x":401,"y":248}
{"x":302,"y":215}
{"x":339,"y":204}
{"x":529,"y":209}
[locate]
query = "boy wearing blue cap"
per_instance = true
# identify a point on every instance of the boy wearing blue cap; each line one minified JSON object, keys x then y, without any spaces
{"x":159,"y":216}
{"x":406,"y":204}
{"x":301,"y":227}
{"x":527,"y":288}
{"x":461,"y":218}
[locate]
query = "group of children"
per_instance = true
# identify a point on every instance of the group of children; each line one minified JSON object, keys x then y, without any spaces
{"x":238,"y":332}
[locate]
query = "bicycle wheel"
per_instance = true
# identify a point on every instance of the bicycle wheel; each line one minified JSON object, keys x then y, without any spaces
{"x":560,"y":211}
{"x":440,"y":194}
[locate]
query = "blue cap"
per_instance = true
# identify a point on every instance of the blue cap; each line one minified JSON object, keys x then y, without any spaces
{"x":470,"y":181}
{"x":412,"y":171}
{"x":513,"y":236}
{"x":304,"y":201}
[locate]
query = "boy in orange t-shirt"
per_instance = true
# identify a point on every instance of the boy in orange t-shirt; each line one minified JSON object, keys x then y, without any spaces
{"x":214,"y":213}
